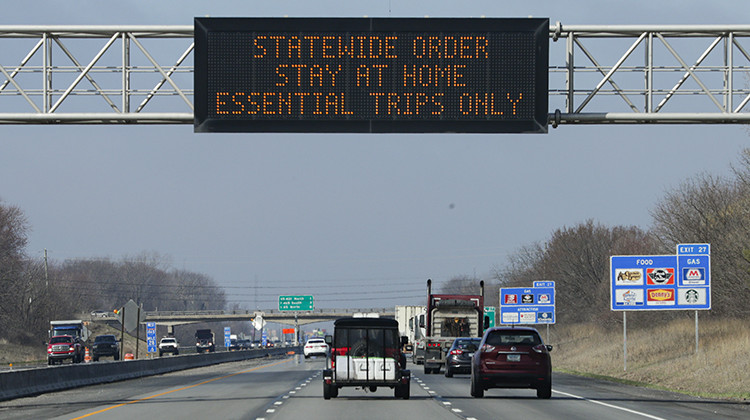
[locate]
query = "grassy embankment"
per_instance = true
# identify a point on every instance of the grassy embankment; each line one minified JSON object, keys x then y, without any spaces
{"x":662,"y":357}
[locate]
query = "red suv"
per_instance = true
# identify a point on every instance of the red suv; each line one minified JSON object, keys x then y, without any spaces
{"x":61,"y":347}
{"x":512,"y":357}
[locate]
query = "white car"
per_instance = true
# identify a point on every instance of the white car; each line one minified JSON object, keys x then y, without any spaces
{"x":315,"y":346}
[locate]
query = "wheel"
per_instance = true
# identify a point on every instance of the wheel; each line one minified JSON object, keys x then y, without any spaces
{"x":545,"y":390}
{"x":373,"y":388}
{"x":50,"y":362}
{"x":326,"y":391}
{"x":427,"y":370}
{"x":95,"y":358}
{"x":176,"y":352}
{"x":161,"y":353}
{"x":476,"y":388}
{"x":307,"y":356}
{"x":117,"y":356}
{"x":448,"y":372}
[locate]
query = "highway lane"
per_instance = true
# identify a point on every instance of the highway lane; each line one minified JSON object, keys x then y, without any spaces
{"x":574,"y":397}
{"x":291,"y":388}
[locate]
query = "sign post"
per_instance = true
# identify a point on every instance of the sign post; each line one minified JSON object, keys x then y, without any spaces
{"x":662,"y":282}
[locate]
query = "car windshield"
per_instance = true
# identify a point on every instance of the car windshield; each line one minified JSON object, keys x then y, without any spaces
{"x":168,"y":340}
{"x":105,"y":339}
{"x":59,"y":340}
{"x":499,"y":338}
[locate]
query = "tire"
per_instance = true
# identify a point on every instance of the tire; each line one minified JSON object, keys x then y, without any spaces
{"x":161,"y":353}
{"x":334,"y":391}
{"x":95,"y":358}
{"x":448,"y":372}
{"x":176,"y":352}
{"x":117,"y":356}
{"x":50,"y":362}
{"x":427,"y":370}
{"x":545,"y":391}
{"x":373,"y":388}
{"x":402,"y":391}
{"x":476,"y":388}
{"x":326,"y":391}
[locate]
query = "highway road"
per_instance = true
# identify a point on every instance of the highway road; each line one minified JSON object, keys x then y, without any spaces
{"x":290,"y":388}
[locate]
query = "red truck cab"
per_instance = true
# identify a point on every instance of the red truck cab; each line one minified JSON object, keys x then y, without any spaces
{"x":61,"y":347}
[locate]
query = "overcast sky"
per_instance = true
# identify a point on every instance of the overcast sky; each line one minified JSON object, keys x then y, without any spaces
{"x":357,"y":220}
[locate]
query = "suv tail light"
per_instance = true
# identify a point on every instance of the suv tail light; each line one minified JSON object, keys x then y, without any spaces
{"x":487,"y":348}
{"x":457,"y":352}
{"x":539,"y":348}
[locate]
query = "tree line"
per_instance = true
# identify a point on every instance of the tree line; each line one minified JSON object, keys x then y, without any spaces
{"x":703,"y":209}
{"x":33,"y":292}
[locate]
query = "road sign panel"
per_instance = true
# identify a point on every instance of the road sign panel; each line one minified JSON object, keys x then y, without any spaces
{"x":296,"y":303}
{"x":371,"y":75}
{"x":531,"y":305}
{"x":662,"y":282}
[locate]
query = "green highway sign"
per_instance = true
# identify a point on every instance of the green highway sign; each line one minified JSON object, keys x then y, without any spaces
{"x":296,"y":303}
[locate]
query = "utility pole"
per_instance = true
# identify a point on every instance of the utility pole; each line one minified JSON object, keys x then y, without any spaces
{"x":46,"y":273}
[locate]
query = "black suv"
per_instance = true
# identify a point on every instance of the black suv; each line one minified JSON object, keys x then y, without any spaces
{"x":105,"y":345}
{"x":366,"y":352}
{"x":459,"y":355}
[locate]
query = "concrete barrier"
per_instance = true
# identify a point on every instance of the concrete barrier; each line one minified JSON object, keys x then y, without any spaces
{"x":23,"y":383}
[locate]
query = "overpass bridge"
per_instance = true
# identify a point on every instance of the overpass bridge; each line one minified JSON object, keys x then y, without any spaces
{"x":295,"y":318}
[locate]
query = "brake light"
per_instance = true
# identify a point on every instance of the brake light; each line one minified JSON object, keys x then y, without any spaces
{"x":539,"y":348}
{"x":487,"y":348}
{"x":456,"y":352}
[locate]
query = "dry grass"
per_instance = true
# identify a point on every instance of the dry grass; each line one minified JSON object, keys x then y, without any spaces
{"x":662,"y":356}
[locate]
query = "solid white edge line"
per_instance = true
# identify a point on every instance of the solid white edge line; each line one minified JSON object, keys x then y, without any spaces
{"x":609,"y":405}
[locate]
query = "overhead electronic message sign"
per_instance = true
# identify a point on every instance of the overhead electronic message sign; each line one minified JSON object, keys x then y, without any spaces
{"x":378,"y":75}
{"x":662,"y":282}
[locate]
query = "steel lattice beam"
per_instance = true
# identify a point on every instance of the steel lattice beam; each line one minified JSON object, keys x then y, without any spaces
{"x":663,"y":74}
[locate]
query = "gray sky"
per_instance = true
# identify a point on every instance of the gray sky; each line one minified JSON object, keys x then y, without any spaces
{"x":356,"y":220}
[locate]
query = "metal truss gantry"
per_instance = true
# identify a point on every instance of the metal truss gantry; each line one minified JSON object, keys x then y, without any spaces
{"x":598,"y":74}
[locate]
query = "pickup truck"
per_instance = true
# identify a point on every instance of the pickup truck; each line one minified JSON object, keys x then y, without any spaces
{"x":61,"y":347}
{"x":169,"y":345}
{"x":105,"y":345}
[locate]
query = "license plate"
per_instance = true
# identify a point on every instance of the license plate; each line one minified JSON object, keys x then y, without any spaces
{"x":514,"y":358}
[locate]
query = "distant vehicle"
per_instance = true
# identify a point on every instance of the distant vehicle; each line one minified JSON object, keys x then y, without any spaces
{"x":234,"y":345}
{"x":406,"y":315}
{"x":449,"y":317}
{"x":459,"y":355}
{"x":169,"y":345}
{"x":366,"y":352}
{"x":315,"y":346}
{"x":245,"y":343}
{"x":99,"y":314}
{"x":204,"y":341}
{"x":62,"y":347}
{"x":105,"y":345}
{"x":512,"y":357}
{"x":74,"y":328}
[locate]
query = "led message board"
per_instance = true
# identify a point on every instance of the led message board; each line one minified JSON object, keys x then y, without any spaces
{"x":371,"y":75}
